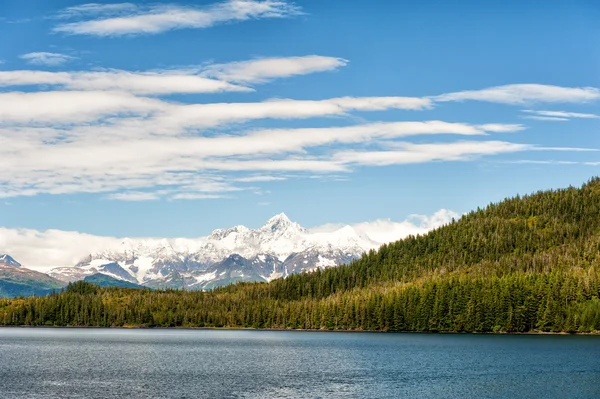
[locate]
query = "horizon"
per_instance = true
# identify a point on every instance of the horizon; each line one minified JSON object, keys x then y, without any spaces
{"x":31,"y":248}
{"x":118,"y":120}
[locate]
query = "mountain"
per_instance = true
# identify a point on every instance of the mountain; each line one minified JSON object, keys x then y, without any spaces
{"x":7,"y":260}
{"x":18,"y":281}
{"x":277,"y":249}
{"x":102,"y":280}
{"x":526,"y":264}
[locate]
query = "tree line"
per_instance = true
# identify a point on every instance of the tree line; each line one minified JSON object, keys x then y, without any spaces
{"x":527,"y":263}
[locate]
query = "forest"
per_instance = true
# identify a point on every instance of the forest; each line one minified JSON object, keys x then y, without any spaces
{"x":526,"y":264}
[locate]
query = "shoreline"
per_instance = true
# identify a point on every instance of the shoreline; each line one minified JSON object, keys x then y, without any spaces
{"x":595,"y":333}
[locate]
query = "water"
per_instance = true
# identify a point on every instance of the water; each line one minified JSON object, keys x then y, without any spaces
{"x":102,"y":363}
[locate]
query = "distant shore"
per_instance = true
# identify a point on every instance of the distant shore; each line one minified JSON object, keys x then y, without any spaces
{"x":595,"y":333}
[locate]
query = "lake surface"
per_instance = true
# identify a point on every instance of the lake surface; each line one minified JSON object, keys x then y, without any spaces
{"x":103,"y":363}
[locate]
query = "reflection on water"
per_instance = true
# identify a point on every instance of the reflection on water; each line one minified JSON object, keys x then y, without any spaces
{"x":103,"y":363}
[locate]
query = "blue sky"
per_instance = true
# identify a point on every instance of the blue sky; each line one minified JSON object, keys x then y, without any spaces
{"x":173,"y":119}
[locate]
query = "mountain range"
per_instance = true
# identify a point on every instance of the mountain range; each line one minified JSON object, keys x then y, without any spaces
{"x":19,"y":281}
{"x":239,"y":254}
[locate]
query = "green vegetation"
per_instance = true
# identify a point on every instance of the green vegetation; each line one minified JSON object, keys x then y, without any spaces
{"x":18,"y":281}
{"x":102,"y":280}
{"x":526,"y":264}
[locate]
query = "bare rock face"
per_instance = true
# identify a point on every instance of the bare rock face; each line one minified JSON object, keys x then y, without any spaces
{"x":7,"y":260}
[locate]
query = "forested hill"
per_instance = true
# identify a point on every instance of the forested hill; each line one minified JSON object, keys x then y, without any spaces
{"x":525,"y":264}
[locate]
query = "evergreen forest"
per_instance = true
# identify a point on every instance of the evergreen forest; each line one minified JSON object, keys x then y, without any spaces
{"x":526,"y":264}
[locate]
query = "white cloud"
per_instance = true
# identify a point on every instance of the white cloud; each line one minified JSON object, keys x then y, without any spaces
{"x":386,"y":230}
{"x":130,"y":147}
{"x":259,"y":178}
{"x":144,"y":83}
{"x":567,"y":149}
{"x":48,"y":59}
{"x":545,"y":118}
{"x":554,"y":162}
{"x":71,"y":107}
{"x":557,"y":116}
{"x":408,"y":153}
{"x":44,"y":250}
{"x":551,"y":162}
{"x":207,"y":79}
{"x":265,"y":69}
{"x":525,"y":93}
{"x":94,"y":161}
{"x":95,"y":10}
{"x":168,"y":117}
{"x":133,"y":196}
{"x":129,"y":19}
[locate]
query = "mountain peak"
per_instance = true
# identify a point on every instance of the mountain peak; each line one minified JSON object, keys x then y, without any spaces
{"x":278,"y":222}
{"x":8,"y":260}
{"x":280,"y":217}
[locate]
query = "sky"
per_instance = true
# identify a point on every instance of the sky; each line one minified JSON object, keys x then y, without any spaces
{"x":149,"y":119}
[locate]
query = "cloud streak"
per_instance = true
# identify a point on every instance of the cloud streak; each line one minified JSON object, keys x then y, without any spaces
{"x":206,"y":79}
{"x":168,"y":165}
{"x":110,"y":132}
{"x":129,"y":19}
{"x":140,"y":83}
{"x":518,"y":94}
{"x":408,"y":153}
{"x":47,"y":59}
{"x":266,"y":69}
{"x":556,"y":116}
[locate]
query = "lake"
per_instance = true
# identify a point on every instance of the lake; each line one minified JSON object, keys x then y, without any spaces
{"x":116,"y":363}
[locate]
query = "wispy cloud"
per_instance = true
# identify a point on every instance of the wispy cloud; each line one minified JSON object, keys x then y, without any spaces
{"x":206,"y":79}
{"x":265,"y":69}
{"x":545,"y":118}
{"x":554,"y":162}
{"x":47,"y":59}
{"x":556,"y":116}
{"x":96,"y":10}
{"x":409,"y":153}
{"x":141,"y":83}
{"x":259,"y":178}
{"x":69,"y":107}
{"x":79,"y":160}
{"x":133,"y":196}
{"x":103,"y":133}
{"x":524,"y":94}
{"x":130,"y":19}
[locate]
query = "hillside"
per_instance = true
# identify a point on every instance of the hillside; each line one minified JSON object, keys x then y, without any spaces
{"x":102,"y":280}
{"x":528,"y":263}
{"x":17,"y":281}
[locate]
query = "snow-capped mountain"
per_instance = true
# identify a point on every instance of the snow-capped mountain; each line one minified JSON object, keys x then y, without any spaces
{"x":277,"y":249}
{"x":8,"y":260}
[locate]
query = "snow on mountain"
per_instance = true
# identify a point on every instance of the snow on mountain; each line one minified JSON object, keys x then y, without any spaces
{"x":277,"y":249}
{"x":8,"y":260}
